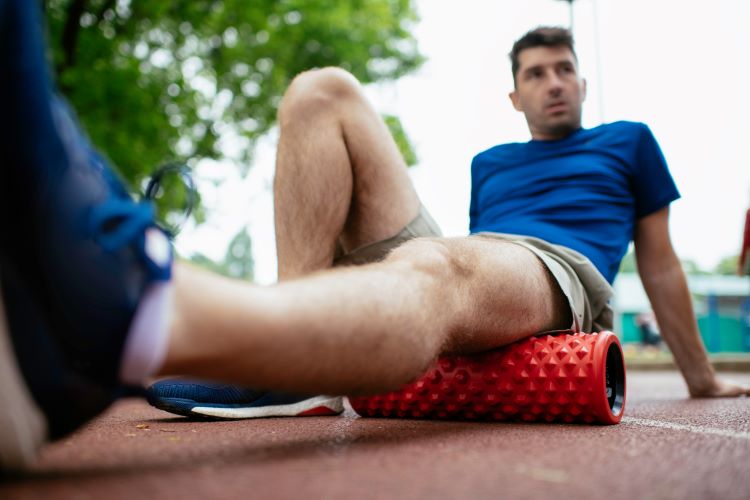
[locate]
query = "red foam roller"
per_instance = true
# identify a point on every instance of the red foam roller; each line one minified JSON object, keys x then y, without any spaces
{"x":563,"y":377}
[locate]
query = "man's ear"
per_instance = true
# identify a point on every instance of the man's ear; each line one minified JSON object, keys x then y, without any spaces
{"x":585,"y":87}
{"x":515,"y":100}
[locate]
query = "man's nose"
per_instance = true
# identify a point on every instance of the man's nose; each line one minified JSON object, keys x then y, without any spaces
{"x":555,"y":83}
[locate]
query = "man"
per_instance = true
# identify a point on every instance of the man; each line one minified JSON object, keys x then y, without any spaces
{"x":646,"y":323}
{"x":92,"y":302}
{"x":743,"y":262}
{"x":577,"y":196}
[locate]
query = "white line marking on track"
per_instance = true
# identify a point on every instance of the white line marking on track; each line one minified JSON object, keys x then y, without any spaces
{"x":689,"y":428}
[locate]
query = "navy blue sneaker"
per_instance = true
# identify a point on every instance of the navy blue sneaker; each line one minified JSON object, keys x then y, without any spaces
{"x":83,"y":247}
{"x":193,"y":398}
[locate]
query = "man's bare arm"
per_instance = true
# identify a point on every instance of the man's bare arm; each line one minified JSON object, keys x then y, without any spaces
{"x":666,"y":286}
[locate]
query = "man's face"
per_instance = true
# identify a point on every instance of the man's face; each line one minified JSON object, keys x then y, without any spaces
{"x":549,"y":91}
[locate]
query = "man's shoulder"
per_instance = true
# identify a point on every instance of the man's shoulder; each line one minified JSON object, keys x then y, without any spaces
{"x":497,"y":153}
{"x":621,"y":127}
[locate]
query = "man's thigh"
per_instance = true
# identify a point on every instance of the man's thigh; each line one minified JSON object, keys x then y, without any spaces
{"x":586,"y":291}
{"x":538,"y":298}
{"x":497,"y":291}
{"x":506,"y":293}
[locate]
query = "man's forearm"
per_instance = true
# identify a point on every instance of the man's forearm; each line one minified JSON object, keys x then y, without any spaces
{"x":670,"y":298}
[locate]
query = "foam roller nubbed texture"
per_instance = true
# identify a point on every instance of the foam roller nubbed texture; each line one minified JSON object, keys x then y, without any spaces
{"x":565,"y":377}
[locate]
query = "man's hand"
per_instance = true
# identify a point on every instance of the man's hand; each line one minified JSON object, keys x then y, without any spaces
{"x":666,"y":286}
{"x":721,"y":388}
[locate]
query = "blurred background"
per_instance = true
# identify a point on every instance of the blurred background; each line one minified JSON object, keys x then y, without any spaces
{"x":198,"y":82}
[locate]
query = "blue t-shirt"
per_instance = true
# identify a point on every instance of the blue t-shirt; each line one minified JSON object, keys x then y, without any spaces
{"x":584,"y":191}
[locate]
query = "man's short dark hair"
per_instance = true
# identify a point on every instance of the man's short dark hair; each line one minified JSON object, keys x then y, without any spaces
{"x":543,"y":36}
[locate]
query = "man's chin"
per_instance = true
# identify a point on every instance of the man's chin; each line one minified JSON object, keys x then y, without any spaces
{"x":562,"y":129}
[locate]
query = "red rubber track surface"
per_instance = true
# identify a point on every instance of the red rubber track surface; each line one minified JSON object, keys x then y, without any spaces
{"x":667,"y":446}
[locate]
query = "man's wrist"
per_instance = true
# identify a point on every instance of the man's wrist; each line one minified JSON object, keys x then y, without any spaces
{"x":700,"y":380}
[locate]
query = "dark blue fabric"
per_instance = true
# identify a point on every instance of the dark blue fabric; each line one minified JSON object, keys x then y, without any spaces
{"x":70,"y":228}
{"x":66,"y":398}
{"x":585,"y":191}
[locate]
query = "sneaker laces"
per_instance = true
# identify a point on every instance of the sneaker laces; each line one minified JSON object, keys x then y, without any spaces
{"x":119,"y":221}
{"x":184,"y":173}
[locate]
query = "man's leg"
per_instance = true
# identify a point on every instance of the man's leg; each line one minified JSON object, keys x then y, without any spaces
{"x":340,"y":183}
{"x":339,"y":174}
{"x":363,"y":329}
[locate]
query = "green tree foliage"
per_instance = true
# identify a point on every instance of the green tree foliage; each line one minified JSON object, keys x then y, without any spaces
{"x":727,"y":266}
{"x":402,"y":140}
{"x":238,"y":260}
{"x":179,"y":80}
{"x":629,"y":265}
{"x":239,"y":257}
{"x":692,"y":268}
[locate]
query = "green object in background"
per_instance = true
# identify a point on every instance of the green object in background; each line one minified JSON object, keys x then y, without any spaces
{"x":731,"y":333}
{"x":629,"y":330}
{"x":721,"y":304}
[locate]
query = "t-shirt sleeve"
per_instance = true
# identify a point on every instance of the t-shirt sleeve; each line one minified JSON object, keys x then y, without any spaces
{"x":473,"y":204}
{"x":653,"y":186}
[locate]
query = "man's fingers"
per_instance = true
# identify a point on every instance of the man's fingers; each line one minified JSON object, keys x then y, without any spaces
{"x":724,"y":389}
{"x":734,"y":389}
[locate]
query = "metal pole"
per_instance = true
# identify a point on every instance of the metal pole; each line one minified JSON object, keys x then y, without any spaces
{"x":572,"y":17}
{"x":597,"y":51}
{"x":570,"y":4}
{"x":745,"y":321}
{"x":714,"y":324}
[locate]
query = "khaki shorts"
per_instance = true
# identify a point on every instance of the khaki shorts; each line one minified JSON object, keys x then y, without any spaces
{"x":587,"y":291}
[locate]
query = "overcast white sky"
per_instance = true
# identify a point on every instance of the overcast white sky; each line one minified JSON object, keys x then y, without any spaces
{"x":680,"y":66}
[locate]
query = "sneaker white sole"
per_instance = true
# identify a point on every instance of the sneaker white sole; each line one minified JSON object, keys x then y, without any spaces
{"x":23,"y":428}
{"x":335,"y":405}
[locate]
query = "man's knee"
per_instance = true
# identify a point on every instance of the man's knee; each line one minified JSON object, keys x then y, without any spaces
{"x":318,"y":90}
{"x":437,"y":257}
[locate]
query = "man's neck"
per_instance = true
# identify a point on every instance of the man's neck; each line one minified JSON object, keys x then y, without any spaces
{"x":552,"y":135}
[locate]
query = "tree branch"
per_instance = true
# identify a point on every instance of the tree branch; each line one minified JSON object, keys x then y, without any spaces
{"x":70,"y":34}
